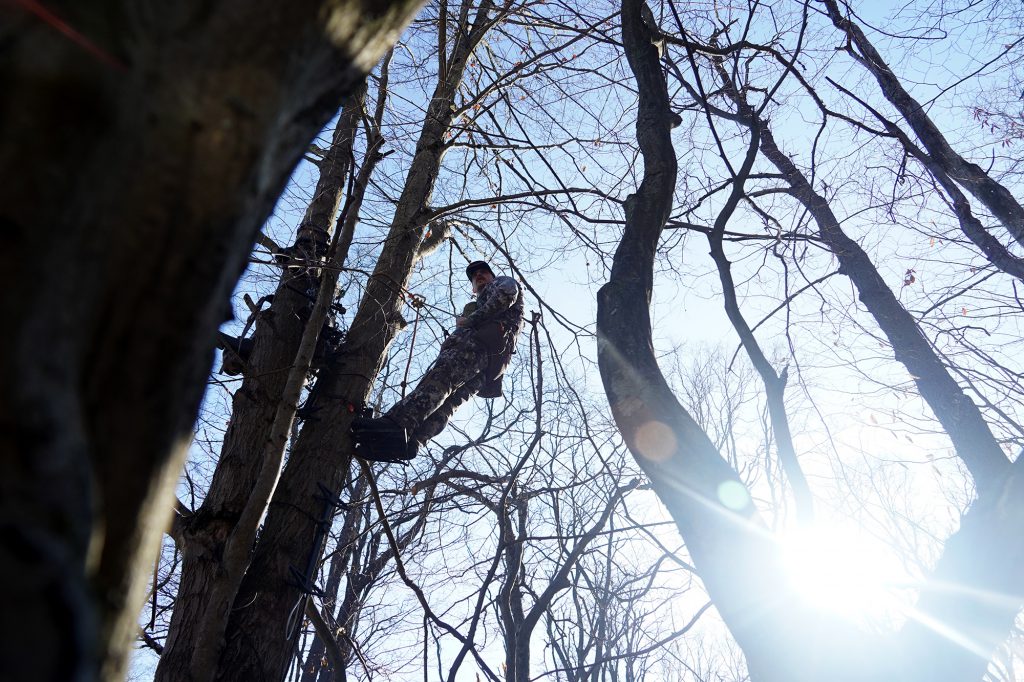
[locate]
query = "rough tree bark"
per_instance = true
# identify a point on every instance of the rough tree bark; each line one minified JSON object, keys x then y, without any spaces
{"x":322,"y":452}
{"x":145,"y":146}
{"x":276,"y":336}
{"x":239,"y":544}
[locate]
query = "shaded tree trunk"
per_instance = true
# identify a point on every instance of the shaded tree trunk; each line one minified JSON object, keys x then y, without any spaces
{"x":278,"y":331}
{"x":145,"y":149}
{"x":715,"y":515}
{"x":730,"y":547}
{"x":322,"y":452}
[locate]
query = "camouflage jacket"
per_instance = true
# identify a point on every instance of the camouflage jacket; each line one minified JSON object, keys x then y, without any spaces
{"x":500,"y":301}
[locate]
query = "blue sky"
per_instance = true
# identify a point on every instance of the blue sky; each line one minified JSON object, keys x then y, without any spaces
{"x":854,"y":418}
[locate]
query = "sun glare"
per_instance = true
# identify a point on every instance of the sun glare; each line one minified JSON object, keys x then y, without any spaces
{"x":844,"y":571}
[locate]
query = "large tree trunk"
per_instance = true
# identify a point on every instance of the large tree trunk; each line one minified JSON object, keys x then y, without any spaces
{"x":728,"y":541}
{"x":145,"y":146}
{"x":959,"y":619}
{"x":276,"y":340}
{"x":322,"y":452}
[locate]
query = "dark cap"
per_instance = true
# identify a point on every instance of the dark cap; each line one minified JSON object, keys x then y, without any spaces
{"x":476,"y":266}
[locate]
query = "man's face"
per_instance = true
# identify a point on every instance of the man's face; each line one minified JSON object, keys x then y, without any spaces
{"x":481,"y":278}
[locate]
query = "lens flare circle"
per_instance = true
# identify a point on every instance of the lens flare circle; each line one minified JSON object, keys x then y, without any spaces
{"x":733,"y":495}
{"x":655,"y":441}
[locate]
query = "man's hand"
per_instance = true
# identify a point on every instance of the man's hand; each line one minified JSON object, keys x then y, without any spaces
{"x":461,"y":321}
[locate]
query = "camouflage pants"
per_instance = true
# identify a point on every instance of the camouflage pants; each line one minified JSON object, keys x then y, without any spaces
{"x":455,"y":377}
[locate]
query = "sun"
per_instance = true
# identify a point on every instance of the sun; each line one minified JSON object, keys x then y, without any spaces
{"x":843,"y":570}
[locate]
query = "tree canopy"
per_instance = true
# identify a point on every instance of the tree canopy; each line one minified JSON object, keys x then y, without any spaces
{"x":764,"y":420}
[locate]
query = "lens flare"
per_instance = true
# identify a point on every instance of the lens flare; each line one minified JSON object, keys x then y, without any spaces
{"x":733,"y":495}
{"x":655,"y":441}
{"x":845,"y":571}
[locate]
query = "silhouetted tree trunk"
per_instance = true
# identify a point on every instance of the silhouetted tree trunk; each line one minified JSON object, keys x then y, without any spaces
{"x":321,"y":454}
{"x":278,"y":331}
{"x":518,"y":621}
{"x":728,"y":541}
{"x":983,"y":557}
{"x":994,"y":196}
{"x":730,"y":546}
{"x":144,"y":147}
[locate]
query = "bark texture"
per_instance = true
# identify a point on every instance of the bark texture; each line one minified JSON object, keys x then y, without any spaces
{"x":291,"y":537}
{"x":277,"y":333}
{"x":146,"y":145}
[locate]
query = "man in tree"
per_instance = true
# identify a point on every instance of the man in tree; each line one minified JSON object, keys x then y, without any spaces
{"x":472,"y":361}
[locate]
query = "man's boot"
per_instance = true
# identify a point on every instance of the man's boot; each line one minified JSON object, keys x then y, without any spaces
{"x":382,"y":440}
{"x":369,"y":425}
